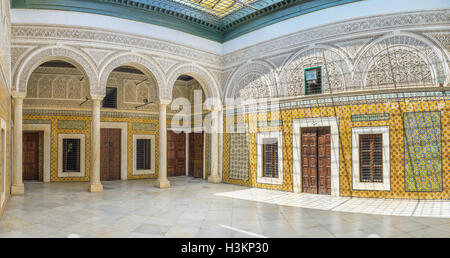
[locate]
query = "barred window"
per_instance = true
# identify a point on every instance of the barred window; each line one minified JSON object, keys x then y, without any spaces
{"x":371,"y":157}
{"x":270,"y":157}
{"x":110,"y":100}
{"x":71,"y":155}
{"x":143,"y":154}
{"x":313,"y":80}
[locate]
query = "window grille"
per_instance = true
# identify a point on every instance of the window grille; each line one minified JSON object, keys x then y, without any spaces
{"x":313,"y":80}
{"x":110,"y":100}
{"x":71,"y":155}
{"x":371,"y":157}
{"x":143,"y":154}
{"x":270,"y":157}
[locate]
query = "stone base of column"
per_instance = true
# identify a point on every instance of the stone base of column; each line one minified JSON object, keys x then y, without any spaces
{"x":98,"y":188}
{"x":214,"y":179}
{"x":18,"y":189}
{"x":162,"y":184}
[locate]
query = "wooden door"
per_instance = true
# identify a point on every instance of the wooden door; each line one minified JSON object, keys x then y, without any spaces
{"x":196,"y":154}
{"x":176,"y":153}
{"x":30,"y":156}
{"x":316,"y":160}
{"x":324,"y":160}
{"x":309,"y":160}
{"x":110,"y":156}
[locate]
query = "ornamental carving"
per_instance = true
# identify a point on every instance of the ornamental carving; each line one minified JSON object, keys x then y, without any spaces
{"x":398,"y":60}
{"x":334,"y":70}
{"x":147,"y":66}
{"x":42,"y":55}
{"x":253,"y":81}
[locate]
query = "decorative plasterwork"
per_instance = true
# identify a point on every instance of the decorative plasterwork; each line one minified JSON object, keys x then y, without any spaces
{"x":343,"y":28}
{"x":28,"y":32}
{"x":252,"y":80}
{"x":147,"y":66}
{"x":41,"y":55}
{"x":206,"y":80}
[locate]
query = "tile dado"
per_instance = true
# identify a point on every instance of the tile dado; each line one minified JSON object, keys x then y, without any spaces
{"x":396,"y":112}
{"x":79,"y":122}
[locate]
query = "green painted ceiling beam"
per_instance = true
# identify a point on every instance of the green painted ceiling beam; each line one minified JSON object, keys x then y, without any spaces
{"x":131,"y":10}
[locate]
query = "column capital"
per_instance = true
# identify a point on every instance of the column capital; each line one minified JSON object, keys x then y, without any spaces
{"x":216,"y":108}
{"x":164,"y":101}
{"x":18,"y":95}
{"x":97,"y":97}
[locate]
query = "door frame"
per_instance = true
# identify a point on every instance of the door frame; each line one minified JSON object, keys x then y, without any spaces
{"x":123,"y":126}
{"x":297,"y":124}
{"x":46,"y":128}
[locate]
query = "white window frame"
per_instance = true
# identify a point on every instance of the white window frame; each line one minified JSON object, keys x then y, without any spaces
{"x":259,"y":141}
{"x":82,"y":172}
{"x":378,"y":186}
{"x":3,"y":162}
{"x":150,"y":171}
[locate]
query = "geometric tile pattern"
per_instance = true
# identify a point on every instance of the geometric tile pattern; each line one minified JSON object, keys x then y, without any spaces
{"x":239,"y":156}
{"x":396,"y":111}
{"x":423,"y":152}
{"x":71,"y":124}
{"x":371,"y":117}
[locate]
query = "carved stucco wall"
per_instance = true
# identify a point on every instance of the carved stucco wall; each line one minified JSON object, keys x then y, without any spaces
{"x":56,"y":87}
{"x":97,"y":53}
{"x":272,"y":68}
{"x":366,"y":53}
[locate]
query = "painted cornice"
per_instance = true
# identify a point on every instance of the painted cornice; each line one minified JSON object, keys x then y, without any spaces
{"x":187,"y":19}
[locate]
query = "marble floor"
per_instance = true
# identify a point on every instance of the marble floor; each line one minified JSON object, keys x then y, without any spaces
{"x":195,"y":208}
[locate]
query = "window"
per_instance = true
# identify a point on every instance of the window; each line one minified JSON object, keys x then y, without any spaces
{"x":143,"y":154}
{"x":270,"y":158}
{"x":313,"y":80}
{"x":371,"y":157}
{"x":110,"y":100}
{"x":144,"y":150}
{"x":71,"y":155}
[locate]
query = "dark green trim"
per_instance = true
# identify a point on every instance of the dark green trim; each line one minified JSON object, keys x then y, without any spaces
{"x":304,"y":75}
{"x":216,"y":31}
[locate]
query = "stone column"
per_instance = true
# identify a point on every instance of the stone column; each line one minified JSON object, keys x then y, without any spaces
{"x":17,"y":186}
{"x":214,"y":177}
{"x":95,"y":185}
{"x":162,"y":181}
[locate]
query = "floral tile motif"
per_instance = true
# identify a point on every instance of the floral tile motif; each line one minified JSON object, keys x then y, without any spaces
{"x":423,"y":152}
{"x":239,"y":156}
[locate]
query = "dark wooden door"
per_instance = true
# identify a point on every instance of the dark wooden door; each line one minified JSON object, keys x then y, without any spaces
{"x":324,"y":160}
{"x":316,"y":160}
{"x":110,"y":154}
{"x":309,"y":160}
{"x":30,"y":156}
{"x":176,"y":153}
{"x":196,"y":154}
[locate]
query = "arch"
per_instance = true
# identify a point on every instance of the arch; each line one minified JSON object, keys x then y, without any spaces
{"x":247,"y":73}
{"x":146,"y":65}
{"x":206,"y":80}
{"x":338,"y":66}
{"x":423,"y":47}
{"x":42,"y":55}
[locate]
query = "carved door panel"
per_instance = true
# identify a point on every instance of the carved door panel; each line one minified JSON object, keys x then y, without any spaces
{"x":176,"y":153}
{"x":30,"y":156}
{"x":110,"y":154}
{"x":196,"y":154}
